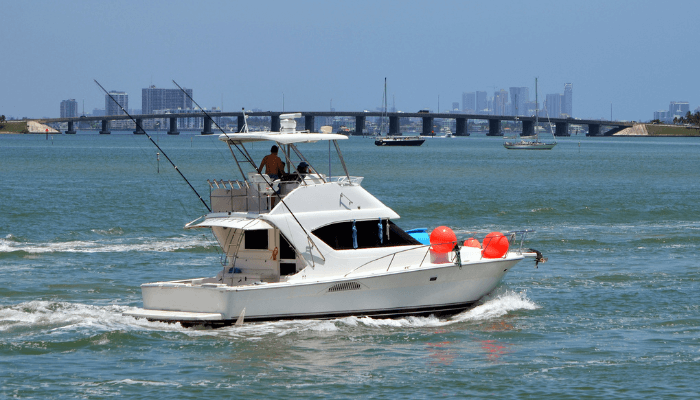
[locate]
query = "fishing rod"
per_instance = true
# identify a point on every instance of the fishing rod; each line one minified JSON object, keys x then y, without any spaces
{"x":250,"y":160}
{"x":247,"y":158}
{"x":155,"y":144}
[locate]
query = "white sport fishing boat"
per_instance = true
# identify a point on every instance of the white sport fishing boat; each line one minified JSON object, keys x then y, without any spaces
{"x":314,"y":246}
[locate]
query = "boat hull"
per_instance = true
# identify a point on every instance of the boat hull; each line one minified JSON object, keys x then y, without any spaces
{"x":529,"y":146}
{"x":411,"y":142}
{"x":440,"y":289}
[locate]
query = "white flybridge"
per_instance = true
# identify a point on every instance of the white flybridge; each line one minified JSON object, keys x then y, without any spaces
{"x":313,"y":246}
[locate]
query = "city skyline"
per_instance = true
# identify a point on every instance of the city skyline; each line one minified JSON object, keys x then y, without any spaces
{"x":154,"y":99}
{"x":308,"y":55}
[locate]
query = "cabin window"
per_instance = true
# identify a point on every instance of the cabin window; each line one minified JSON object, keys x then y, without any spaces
{"x":256,"y":239}
{"x":288,"y":269}
{"x":286,"y":249}
{"x":339,"y":235}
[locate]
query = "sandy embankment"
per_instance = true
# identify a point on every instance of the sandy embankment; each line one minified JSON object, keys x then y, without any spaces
{"x":36,"y":127}
{"x":635,"y":130}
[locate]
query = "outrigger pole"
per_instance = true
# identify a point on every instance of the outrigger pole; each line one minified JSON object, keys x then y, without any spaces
{"x":155,"y":144}
{"x":252,"y":163}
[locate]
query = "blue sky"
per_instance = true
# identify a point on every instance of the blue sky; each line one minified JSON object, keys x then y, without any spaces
{"x":636,"y":55}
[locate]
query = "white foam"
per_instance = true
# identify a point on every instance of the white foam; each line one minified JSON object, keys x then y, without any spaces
{"x":494,"y":307}
{"x":57,"y":317}
{"x":497,"y":306}
{"x":117,"y":245}
{"x":61,"y":317}
{"x":143,"y":383}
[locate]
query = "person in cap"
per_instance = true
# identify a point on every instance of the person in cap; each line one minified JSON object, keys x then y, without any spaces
{"x":274,"y":167}
{"x":302,"y":170}
{"x":303,"y":167}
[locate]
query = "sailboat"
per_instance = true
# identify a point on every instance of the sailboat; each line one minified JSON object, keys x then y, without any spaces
{"x":516,"y":143}
{"x":394,"y":140}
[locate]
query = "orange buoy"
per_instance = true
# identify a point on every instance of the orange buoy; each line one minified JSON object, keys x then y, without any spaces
{"x":471,"y":242}
{"x":495,"y":245}
{"x":443,"y":239}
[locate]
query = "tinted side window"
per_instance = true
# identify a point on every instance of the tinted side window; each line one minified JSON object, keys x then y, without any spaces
{"x":256,"y":240}
{"x":339,"y":235}
{"x":286,"y":249}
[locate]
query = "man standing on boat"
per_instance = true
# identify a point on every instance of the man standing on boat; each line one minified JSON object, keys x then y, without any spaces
{"x":274,"y":167}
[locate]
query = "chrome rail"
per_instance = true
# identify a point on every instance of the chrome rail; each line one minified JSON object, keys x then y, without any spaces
{"x":513,"y":236}
{"x":512,"y":241}
{"x":393,"y":256}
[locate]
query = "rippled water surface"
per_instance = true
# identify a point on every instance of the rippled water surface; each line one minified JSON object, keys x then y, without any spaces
{"x":614,"y":313}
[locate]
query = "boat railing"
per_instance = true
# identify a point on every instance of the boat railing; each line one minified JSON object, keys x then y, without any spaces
{"x":513,"y":240}
{"x":421,"y":250}
{"x":515,"y":245}
{"x":257,"y":195}
{"x":343,"y":180}
{"x":239,"y":196}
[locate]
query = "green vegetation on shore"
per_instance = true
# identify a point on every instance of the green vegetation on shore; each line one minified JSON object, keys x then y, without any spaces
{"x":671,"y":130}
{"x":14,"y":127}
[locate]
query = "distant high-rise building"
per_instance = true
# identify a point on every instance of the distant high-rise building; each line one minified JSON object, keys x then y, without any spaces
{"x":481,"y":102}
{"x":678,"y":109}
{"x":113,"y":109}
{"x":661,"y":115}
{"x":153,"y":98}
{"x":553,"y":105}
{"x":468,"y":102}
{"x":500,"y":99}
{"x":69,"y":108}
{"x":567,"y":100}
{"x":531,"y":107}
{"x":519,"y":96}
{"x":455,"y":106}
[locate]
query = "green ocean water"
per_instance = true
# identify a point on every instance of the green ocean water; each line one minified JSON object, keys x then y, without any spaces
{"x":614,"y":313}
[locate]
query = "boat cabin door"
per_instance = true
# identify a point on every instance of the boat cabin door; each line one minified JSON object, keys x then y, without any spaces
{"x":287,"y":256}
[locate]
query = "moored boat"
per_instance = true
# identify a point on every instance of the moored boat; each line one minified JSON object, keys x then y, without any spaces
{"x":399,"y":141}
{"x":530,"y":143}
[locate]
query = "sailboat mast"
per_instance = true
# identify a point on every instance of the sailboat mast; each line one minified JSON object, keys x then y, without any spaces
{"x":385,"y":102}
{"x":537,"y":109}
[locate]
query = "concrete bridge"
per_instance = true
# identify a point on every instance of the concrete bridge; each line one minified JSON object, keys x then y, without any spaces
{"x":528,"y":123}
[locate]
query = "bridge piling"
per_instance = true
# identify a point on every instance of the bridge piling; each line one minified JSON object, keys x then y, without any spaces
{"x":139,"y":127}
{"x":394,"y":126}
{"x":593,"y":130}
{"x":561,"y":129}
{"x":428,"y":126}
{"x":172,"y":130}
{"x":71,"y":130}
{"x":310,"y":123}
{"x":359,"y":125}
{"x":528,"y":128}
{"x":275,"y":123}
{"x":494,"y":127}
{"x":207,"y":127}
{"x":461,"y":127}
{"x":105,"y":127}
{"x":241,"y":123}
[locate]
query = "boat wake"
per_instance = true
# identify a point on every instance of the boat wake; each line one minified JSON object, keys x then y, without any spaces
{"x":11,"y":244}
{"x":49,"y":317}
